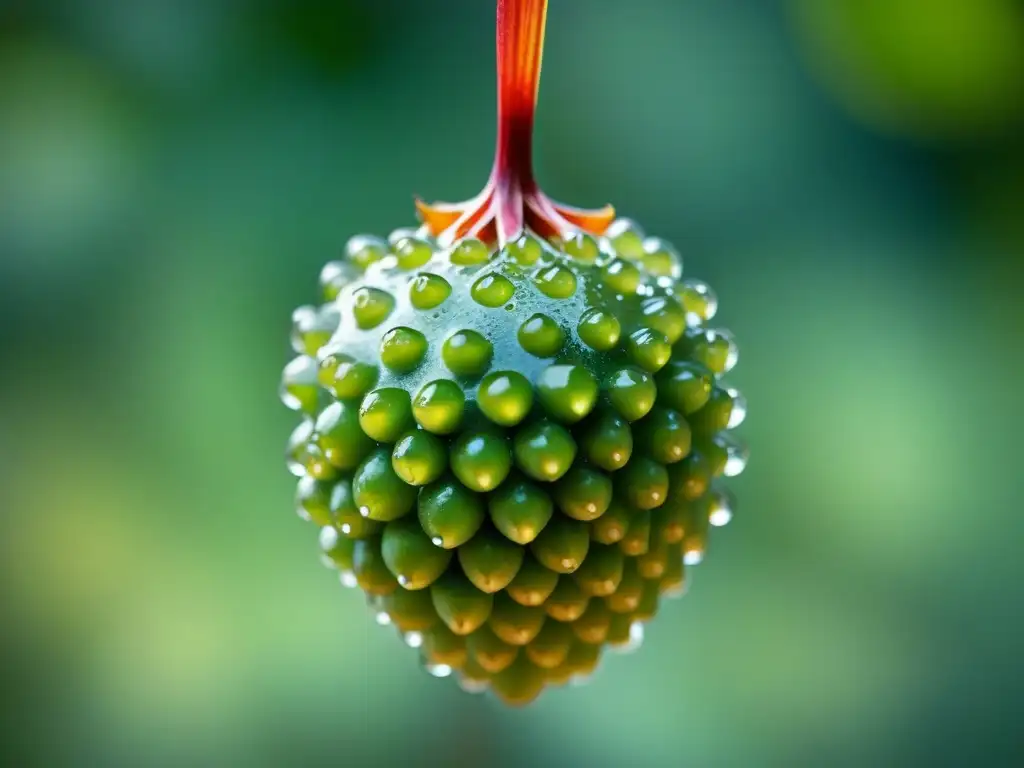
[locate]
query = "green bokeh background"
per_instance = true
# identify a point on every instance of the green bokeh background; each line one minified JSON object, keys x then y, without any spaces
{"x":848,"y":175}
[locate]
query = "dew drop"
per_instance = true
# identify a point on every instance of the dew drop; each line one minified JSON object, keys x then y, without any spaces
{"x":364,"y":511}
{"x":736,"y":461}
{"x":438,"y":670}
{"x":739,"y":408}
{"x":720,"y":513}
{"x":693,"y":557}
{"x":636,"y":639}
{"x":679,"y":590}
{"x":383,"y":618}
{"x":472,"y":686}
{"x":346,"y":528}
{"x":413,"y":639}
{"x":437,"y":541}
{"x":348,"y":579}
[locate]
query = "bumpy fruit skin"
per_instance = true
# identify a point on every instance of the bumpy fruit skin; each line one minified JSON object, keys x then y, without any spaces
{"x":513,"y":451}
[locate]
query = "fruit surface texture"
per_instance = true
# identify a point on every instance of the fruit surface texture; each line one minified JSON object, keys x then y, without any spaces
{"x":514,"y":427}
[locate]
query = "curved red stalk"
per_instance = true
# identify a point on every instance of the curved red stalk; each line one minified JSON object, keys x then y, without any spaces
{"x":511,"y":201}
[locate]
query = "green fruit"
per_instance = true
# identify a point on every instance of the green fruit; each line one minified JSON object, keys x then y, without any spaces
{"x":631,"y":392}
{"x":520,"y":509}
{"x":412,"y":252}
{"x":449,"y":512}
{"x":583,"y":493}
{"x":592,"y":627}
{"x":684,"y":386}
{"x":345,"y":513}
{"x":541,"y":336}
{"x":611,"y":527}
{"x":378,"y":491}
{"x":313,"y":327}
{"x":505,"y":397}
{"x":626,"y":597}
{"x":643,"y":483}
{"x":540,"y":385}
{"x":551,"y":645}
{"x":419,"y":457}
{"x":403,"y":349}
{"x":664,"y":435}
{"x":638,"y":536}
{"x":520,"y":684}
{"x":490,"y":561}
{"x":461,"y":606}
{"x":567,"y":392}
{"x":386,"y":414}
{"x":410,"y":555}
{"x":489,"y":651}
{"x":411,"y":611}
{"x":427,"y":291}
{"x":339,"y":437}
{"x":299,"y":384}
{"x":513,"y":622}
{"x":714,"y":415}
{"x":606,"y":440}
{"x":533,"y":583}
{"x":652,"y":563}
{"x":371,"y":571}
{"x":544,"y":450}
{"x":583,"y":658}
{"x":714,"y":349}
{"x":567,"y":602}
{"x":313,"y":500}
{"x":467,"y":353}
{"x":338,"y":550}
{"x":295,"y":453}
{"x":601,"y":572}
{"x":438,"y":406}
{"x":441,"y":645}
{"x":481,"y":460}
{"x":562,"y":545}
{"x":599,"y":329}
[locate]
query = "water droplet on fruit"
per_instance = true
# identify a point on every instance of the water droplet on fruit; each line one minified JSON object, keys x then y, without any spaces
{"x":348,"y":579}
{"x":739,"y":408}
{"x":541,"y":336}
{"x":472,"y":686}
{"x":438,"y":670}
{"x":413,"y":639}
{"x":698,"y":298}
{"x":736,"y":461}
{"x":721,"y":513}
{"x":371,"y":306}
{"x":427,"y":290}
{"x":636,"y":639}
{"x":556,"y":282}
{"x":492,"y":290}
{"x":402,"y":349}
{"x":383,"y":618}
{"x":437,"y":541}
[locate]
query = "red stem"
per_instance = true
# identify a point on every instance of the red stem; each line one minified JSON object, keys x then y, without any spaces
{"x":511,"y":201}
{"x":520,"y":50}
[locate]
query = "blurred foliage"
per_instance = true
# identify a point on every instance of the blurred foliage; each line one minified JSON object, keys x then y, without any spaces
{"x":944,"y":68}
{"x":849,"y":177}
